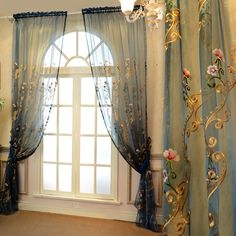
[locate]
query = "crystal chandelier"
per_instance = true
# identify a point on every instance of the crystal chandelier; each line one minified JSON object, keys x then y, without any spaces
{"x":153,"y":10}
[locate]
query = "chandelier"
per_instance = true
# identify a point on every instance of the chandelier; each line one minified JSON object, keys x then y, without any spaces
{"x":153,"y":10}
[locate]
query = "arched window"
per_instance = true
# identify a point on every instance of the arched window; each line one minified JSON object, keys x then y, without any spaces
{"x":78,"y":158}
{"x":75,"y":51}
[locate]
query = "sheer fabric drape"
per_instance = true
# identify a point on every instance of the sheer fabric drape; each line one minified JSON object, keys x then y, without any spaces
{"x":32,"y":92}
{"x":121,"y":92}
{"x":199,"y":196}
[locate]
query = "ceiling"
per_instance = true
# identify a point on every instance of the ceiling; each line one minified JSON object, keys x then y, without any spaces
{"x":9,"y":7}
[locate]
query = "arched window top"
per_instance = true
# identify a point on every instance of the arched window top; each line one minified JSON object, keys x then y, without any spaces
{"x":75,"y":51}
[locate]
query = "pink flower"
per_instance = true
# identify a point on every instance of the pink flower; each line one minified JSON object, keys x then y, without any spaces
{"x":171,"y":155}
{"x":212,"y":70}
{"x":218,"y":53}
{"x":186,"y":73}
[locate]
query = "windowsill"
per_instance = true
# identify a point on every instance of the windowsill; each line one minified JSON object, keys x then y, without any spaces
{"x":79,"y":199}
{"x":4,"y":152}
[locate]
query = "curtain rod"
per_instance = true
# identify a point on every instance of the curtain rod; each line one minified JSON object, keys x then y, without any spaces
{"x":11,"y":17}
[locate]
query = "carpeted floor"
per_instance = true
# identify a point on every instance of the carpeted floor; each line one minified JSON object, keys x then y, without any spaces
{"x":26,"y":223}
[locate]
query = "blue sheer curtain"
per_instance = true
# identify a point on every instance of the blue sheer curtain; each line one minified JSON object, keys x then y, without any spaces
{"x":200,"y":80}
{"x":32,"y":92}
{"x":120,"y":81}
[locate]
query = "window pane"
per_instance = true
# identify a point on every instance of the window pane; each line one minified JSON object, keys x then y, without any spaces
{"x":52,"y":58}
{"x":101,"y":55}
{"x":69,"y":44}
{"x":49,"y":177}
{"x":66,"y":91}
{"x":49,"y":148}
{"x":65,"y":120}
{"x":55,"y":96}
{"x":105,"y":87}
{"x":87,"y":150}
{"x":87,"y":121}
{"x":52,"y":122}
{"x":77,"y":62}
{"x":65,"y":178}
{"x":104,"y":150}
{"x":50,"y":91}
{"x":83,"y":46}
{"x":103,"y":180}
{"x":65,"y":149}
{"x":87,"y":91}
{"x":101,"y":128}
{"x":87,"y":179}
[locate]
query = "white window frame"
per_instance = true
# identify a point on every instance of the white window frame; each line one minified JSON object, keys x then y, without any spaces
{"x":77,"y":73}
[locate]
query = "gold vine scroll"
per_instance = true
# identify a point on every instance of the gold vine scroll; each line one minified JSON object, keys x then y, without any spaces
{"x":203,"y":13}
{"x":217,"y":168}
{"x":172,"y":20}
{"x":177,"y":198}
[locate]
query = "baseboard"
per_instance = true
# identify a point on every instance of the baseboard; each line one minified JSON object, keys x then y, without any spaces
{"x":108,"y":214}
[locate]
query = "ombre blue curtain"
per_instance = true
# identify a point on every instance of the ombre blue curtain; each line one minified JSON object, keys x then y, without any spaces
{"x":32,"y":92}
{"x":120,"y":81}
{"x":200,"y":111}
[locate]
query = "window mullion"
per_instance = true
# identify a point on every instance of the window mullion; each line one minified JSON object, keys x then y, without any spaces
{"x":57,"y":136}
{"x":95,"y":149}
{"x":76,"y":134}
{"x":77,"y":44}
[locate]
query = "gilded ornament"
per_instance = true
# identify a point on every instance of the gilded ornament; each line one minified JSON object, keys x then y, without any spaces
{"x":212,"y":142}
{"x":218,"y":156}
{"x":201,"y":4}
{"x":219,"y":88}
{"x":203,"y":13}
{"x":172,"y":20}
{"x":211,"y":220}
{"x":219,"y":124}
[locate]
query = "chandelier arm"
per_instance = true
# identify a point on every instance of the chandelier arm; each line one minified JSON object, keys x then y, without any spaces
{"x":135,"y":15}
{"x":153,"y":10}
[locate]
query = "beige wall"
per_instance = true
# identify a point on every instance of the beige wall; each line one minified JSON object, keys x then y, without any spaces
{"x":9,"y":7}
{"x":231,"y":12}
{"x":5,"y":77}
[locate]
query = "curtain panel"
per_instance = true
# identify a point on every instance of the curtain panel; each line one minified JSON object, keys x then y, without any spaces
{"x":32,"y":92}
{"x":199,"y":196}
{"x":120,"y":82}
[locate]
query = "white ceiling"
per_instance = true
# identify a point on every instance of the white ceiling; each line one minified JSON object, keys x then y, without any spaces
{"x":9,"y":7}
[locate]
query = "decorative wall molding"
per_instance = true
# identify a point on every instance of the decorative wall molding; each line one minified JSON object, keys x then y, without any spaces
{"x":157,"y":176}
{"x":4,"y":149}
{"x":158,"y":186}
{"x":158,"y":156}
{"x":130,"y":182}
{"x":23,"y":169}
